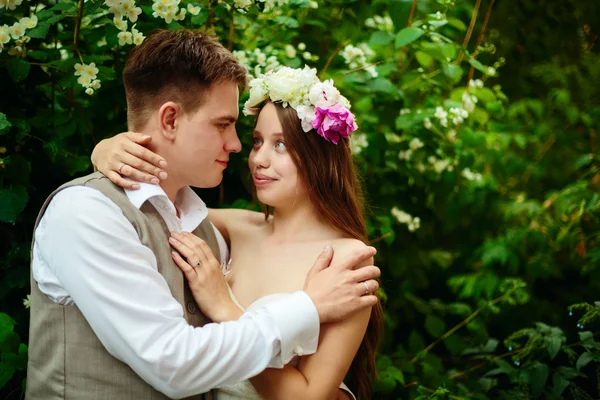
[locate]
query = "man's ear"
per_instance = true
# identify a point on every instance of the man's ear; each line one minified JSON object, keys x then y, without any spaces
{"x":169,"y":116}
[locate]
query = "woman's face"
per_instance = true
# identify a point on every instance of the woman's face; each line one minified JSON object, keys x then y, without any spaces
{"x":274,"y":173}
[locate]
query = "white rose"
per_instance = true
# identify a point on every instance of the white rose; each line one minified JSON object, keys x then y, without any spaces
{"x":258,"y":92}
{"x":324,"y":94}
{"x":306,"y":115}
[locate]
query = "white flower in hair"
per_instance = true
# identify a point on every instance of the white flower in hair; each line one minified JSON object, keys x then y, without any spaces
{"x":306,"y":115}
{"x":319,"y":105}
{"x":324,"y":94}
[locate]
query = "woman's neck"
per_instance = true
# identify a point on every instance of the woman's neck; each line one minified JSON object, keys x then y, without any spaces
{"x":300,"y":222}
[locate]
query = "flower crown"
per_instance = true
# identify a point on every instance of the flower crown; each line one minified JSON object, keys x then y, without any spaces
{"x":319,"y":104}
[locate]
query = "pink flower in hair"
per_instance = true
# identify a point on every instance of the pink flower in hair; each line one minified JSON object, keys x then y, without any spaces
{"x":334,"y":122}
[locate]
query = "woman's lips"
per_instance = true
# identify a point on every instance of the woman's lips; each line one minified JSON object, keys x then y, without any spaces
{"x":222,"y":163}
{"x":261,"y":180}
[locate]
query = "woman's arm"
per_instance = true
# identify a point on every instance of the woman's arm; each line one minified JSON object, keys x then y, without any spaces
{"x":125,"y":155}
{"x":318,"y":376}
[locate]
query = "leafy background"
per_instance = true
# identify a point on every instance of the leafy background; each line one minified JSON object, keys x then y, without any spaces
{"x":486,"y":220}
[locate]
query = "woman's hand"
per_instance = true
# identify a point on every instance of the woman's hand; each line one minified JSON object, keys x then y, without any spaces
{"x":204,"y":274}
{"x":124,"y":155}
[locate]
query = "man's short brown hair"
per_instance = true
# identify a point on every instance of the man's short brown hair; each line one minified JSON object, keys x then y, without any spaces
{"x":175,"y":66}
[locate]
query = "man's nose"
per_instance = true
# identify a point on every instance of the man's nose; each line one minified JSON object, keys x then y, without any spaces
{"x":232,"y":142}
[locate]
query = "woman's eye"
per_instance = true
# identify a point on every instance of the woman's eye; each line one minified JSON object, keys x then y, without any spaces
{"x":256,"y":141}
{"x":280,"y":145}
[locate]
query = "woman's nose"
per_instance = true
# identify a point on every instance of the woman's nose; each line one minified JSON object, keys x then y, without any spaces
{"x":261,"y":157}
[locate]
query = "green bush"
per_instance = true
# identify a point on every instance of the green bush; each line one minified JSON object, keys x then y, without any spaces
{"x":477,"y":146}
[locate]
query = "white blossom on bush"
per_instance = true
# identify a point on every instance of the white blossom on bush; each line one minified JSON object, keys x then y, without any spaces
{"x":10,"y":4}
{"x":413,"y":223}
{"x":194,"y":10}
{"x":382,"y":23}
{"x":27,"y":301}
{"x":415,"y":144}
{"x":470,"y":175}
{"x":87,"y":74}
{"x":358,"y":142}
{"x":441,"y":115}
{"x":359,"y":57}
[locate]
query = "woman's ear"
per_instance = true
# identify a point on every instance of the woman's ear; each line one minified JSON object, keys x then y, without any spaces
{"x":169,"y":115}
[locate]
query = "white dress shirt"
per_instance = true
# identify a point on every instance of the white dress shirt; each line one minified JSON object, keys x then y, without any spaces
{"x":87,"y":253}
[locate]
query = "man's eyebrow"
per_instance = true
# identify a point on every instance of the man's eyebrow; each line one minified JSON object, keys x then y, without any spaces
{"x":228,"y":118}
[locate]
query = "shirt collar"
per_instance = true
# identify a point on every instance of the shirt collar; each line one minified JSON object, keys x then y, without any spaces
{"x":192,"y":210}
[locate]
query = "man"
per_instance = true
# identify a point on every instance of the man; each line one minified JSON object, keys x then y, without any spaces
{"x":111,"y":314}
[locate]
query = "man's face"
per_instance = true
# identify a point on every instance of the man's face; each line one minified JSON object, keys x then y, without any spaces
{"x":207,"y":137}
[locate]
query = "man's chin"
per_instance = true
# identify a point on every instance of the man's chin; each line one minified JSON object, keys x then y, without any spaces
{"x":209,"y":183}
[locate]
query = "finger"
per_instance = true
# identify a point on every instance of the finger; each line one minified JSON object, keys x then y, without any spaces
{"x":372,"y":286}
{"x":119,"y":181}
{"x":143,"y":153}
{"x":188,"y":271}
{"x":139,"y":169}
{"x":323,"y":260}
{"x":138,"y":137}
{"x":194,"y":243}
{"x":365,"y":274}
{"x":185,"y":251}
{"x":355,"y":258}
{"x":367,"y":301}
{"x":207,"y":251}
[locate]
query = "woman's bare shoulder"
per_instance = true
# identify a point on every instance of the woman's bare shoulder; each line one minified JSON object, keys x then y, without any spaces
{"x":345,"y":246}
{"x":238,"y":218}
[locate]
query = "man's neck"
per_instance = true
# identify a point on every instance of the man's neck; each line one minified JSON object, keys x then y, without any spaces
{"x":171,"y":187}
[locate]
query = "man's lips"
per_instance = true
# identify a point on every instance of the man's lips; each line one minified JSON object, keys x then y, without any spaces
{"x":222,"y":163}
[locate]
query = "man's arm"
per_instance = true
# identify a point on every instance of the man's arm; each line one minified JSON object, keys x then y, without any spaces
{"x":96,"y":255}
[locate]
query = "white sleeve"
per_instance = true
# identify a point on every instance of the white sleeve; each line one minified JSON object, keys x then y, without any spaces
{"x":96,"y":255}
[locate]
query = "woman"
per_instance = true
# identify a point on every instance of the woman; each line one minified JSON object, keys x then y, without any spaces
{"x":302,"y":168}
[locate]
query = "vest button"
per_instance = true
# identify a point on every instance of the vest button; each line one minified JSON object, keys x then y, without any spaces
{"x":191,"y":307}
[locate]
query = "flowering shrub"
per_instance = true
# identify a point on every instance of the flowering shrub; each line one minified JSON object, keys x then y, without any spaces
{"x":477,"y":149}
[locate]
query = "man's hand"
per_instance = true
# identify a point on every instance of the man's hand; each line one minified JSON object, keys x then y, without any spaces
{"x":339,"y":290}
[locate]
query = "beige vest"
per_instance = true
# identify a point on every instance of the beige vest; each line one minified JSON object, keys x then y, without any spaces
{"x":66,"y":359}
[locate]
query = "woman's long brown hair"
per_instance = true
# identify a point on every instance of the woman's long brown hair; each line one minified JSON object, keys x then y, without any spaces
{"x":327,"y":170}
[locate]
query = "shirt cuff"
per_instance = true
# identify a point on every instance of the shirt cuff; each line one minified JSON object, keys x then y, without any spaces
{"x":297,"y":319}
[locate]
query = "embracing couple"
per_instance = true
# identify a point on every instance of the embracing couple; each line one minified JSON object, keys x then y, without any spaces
{"x":141,"y":292}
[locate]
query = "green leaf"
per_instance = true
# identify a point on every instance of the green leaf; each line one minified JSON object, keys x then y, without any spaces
{"x":6,"y":372}
{"x":18,"y":69}
{"x":559,"y":384}
{"x":539,"y":376}
{"x":434,"y":326}
{"x":7,"y":325}
{"x":553,"y":346}
{"x":424,"y":59}
{"x":584,"y":359}
{"x":18,"y":169}
{"x":457,"y":23}
{"x":4,"y":124}
{"x":452,"y":71}
{"x":408,"y":35}
{"x":37,"y":55}
{"x":12,"y":202}
{"x":380,"y":38}
{"x":583,"y":161}
{"x":40,"y":31}
{"x":64,"y":6}
{"x":201,"y":18}
{"x":477,"y":65}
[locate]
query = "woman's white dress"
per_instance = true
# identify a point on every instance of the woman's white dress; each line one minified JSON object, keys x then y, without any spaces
{"x":244,"y":390}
